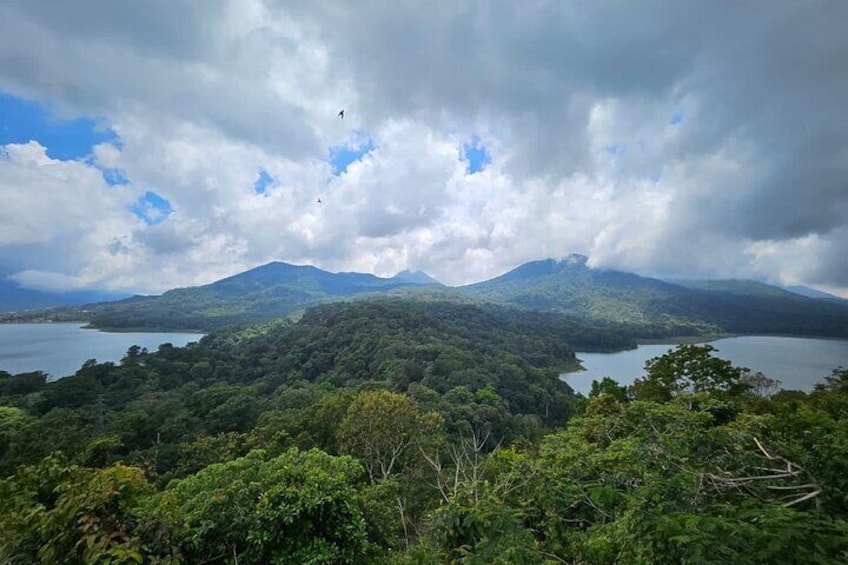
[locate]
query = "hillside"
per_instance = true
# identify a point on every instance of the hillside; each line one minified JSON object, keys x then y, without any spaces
{"x":571,"y":287}
{"x":271,"y":291}
{"x":639,"y":306}
{"x":812,"y":292}
{"x":739,"y":287}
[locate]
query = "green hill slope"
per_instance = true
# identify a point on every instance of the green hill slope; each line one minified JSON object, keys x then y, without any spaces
{"x":271,"y":291}
{"x":571,"y":287}
{"x":640,"y":306}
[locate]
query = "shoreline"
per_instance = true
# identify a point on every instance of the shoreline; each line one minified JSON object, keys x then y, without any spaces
{"x":680,"y":340}
{"x":86,"y":325}
{"x":692,"y":340}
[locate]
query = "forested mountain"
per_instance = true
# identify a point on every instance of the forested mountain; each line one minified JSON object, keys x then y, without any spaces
{"x":739,"y":287}
{"x":811,"y":292}
{"x":649,"y":308}
{"x":402,"y":432}
{"x":416,"y":277}
{"x":265,"y":293}
{"x":570,"y":286}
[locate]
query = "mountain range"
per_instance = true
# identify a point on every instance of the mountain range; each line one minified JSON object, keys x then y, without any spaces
{"x":646,"y":307}
{"x":14,"y":297}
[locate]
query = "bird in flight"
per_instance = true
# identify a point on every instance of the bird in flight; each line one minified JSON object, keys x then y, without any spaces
{"x":341,"y":114}
{"x":319,"y":201}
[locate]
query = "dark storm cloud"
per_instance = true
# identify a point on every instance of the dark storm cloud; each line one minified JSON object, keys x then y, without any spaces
{"x":770,"y":78}
{"x":534,"y":67}
{"x":162,"y":27}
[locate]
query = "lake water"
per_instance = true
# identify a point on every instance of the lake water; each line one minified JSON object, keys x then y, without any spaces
{"x":798,"y":363}
{"x":61,"y":349}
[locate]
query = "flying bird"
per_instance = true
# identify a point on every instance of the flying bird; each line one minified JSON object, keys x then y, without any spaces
{"x":319,"y":201}
{"x":341,"y":114}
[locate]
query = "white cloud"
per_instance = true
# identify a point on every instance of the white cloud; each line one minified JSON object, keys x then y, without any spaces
{"x":701,"y":141}
{"x":56,"y":215}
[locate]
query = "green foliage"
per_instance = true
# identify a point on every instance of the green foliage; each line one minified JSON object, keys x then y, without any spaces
{"x":481,"y":532}
{"x":484,"y":509}
{"x":12,"y":421}
{"x":459,"y":445}
{"x":53,"y":513}
{"x":381,"y":428}
{"x":92,"y":521}
{"x":665,"y":483}
{"x":23,"y":383}
{"x":690,"y":368}
{"x":299,"y":507}
{"x":610,"y":388}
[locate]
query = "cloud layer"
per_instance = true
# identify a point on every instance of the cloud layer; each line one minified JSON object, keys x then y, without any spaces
{"x":683,"y":139}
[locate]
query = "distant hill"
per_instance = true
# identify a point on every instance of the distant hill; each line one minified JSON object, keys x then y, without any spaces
{"x":14,"y":298}
{"x":569,"y":286}
{"x":755,"y":288}
{"x":271,"y":291}
{"x":694,"y":307}
{"x":637,"y":306}
{"x":738,"y":287}
{"x":415,"y":277}
{"x":811,"y":292}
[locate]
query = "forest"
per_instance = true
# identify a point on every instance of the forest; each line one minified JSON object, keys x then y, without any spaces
{"x":395,"y":431}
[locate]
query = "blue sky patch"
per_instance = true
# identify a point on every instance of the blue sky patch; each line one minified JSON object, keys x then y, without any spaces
{"x":342,"y":156}
{"x":677,"y":115}
{"x":616,"y":148}
{"x":114,"y":177}
{"x":22,"y":121}
{"x":263,"y":182}
{"x":151,"y":208}
{"x":476,"y":154}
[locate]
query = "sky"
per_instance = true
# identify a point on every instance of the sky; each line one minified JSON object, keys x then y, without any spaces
{"x":151,"y":144}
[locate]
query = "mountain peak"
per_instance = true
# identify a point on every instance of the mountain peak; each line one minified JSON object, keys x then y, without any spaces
{"x":574,"y":259}
{"x":415,"y":277}
{"x":545,"y":267}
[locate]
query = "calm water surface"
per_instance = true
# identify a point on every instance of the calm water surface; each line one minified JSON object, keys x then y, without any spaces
{"x":61,"y":349}
{"x":798,"y":363}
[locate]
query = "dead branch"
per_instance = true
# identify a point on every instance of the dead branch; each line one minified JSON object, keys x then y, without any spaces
{"x":798,"y":494}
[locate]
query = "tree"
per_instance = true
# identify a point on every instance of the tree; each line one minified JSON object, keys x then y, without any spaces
{"x":12,"y":421}
{"x":837,"y":381}
{"x":690,"y":368}
{"x":482,"y":515}
{"x":609,"y":387}
{"x":55,"y":513}
{"x":94,"y":517}
{"x":666,"y":483}
{"x":299,"y":507}
{"x":381,"y":426}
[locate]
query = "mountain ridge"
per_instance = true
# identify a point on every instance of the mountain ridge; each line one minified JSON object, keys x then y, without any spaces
{"x":652,"y":307}
{"x":572,"y":287}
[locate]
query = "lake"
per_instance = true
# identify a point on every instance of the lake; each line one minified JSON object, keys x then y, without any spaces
{"x":798,"y":363}
{"x":61,"y":349}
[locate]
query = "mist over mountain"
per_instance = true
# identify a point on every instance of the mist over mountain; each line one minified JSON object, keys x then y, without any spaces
{"x":811,"y":292}
{"x":14,"y":298}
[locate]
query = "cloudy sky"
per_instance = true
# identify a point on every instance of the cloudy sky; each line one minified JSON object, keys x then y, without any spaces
{"x":148,"y":144}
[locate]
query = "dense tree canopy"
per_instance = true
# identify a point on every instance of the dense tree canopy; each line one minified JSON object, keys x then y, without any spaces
{"x":401,"y":432}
